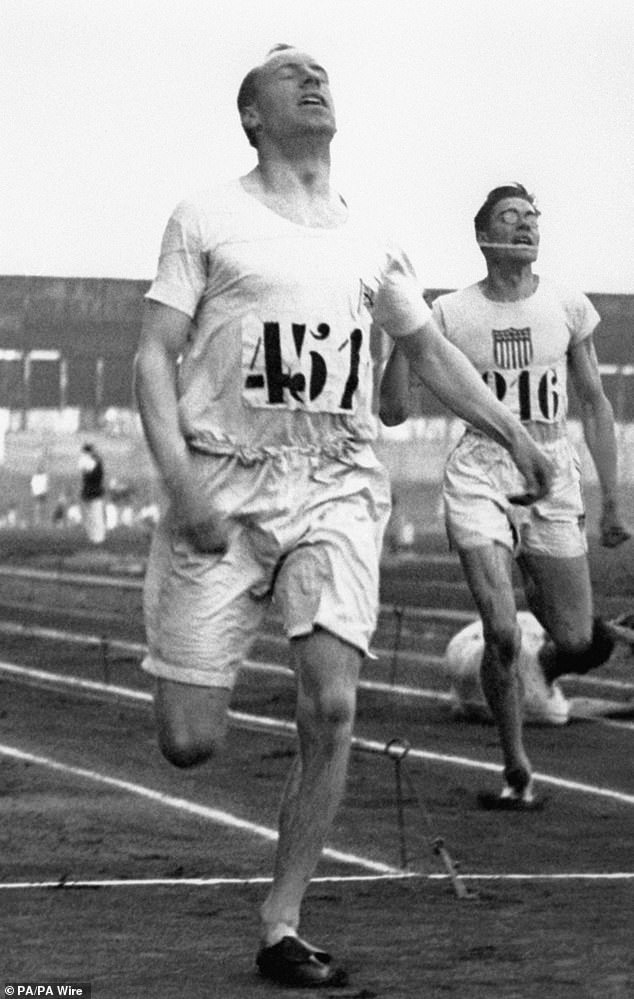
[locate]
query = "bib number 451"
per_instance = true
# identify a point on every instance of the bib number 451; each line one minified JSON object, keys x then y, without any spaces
{"x":321,"y":375}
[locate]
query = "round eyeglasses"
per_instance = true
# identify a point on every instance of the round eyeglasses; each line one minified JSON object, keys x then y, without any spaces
{"x":511,"y":216}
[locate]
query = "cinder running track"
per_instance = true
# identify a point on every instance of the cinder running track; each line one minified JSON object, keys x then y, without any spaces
{"x":145,"y":881}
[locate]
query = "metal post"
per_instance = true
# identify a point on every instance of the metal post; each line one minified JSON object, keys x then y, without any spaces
{"x":397,"y":750}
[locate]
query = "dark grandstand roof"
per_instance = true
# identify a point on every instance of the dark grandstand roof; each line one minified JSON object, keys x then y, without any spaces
{"x":97,"y":320}
{"x":77,"y":316}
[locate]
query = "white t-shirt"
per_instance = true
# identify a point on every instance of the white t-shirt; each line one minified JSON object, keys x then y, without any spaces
{"x":279,"y":350}
{"x":520,"y":348}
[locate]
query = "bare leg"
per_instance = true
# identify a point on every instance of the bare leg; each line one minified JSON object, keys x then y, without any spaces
{"x":501,"y":686}
{"x":191,"y":721}
{"x":327,"y":671}
{"x":488,"y":570}
{"x":561,"y":597}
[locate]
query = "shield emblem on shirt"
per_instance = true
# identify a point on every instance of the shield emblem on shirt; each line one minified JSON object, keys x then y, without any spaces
{"x":512,"y":348}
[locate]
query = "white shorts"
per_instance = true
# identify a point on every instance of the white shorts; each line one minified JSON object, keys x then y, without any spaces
{"x":304,"y":531}
{"x":479,"y":478}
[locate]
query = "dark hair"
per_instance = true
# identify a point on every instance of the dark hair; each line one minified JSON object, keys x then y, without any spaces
{"x":248,"y":90}
{"x":483,"y":216}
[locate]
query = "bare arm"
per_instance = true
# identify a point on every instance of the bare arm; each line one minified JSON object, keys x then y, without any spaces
{"x":452,"y":378}
{"x":394,"y":398}
{"x":163,"y":335}
{"x":597,"y":420}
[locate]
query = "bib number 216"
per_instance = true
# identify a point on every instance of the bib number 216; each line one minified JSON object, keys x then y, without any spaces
{"x":538,"y":395}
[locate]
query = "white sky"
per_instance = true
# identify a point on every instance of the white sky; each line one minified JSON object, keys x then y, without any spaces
{"x":113,"y":110}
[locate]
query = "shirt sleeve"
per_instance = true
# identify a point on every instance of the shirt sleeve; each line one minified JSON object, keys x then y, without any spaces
{"x":400,"y":308}
{"x":182,"y":268}
{"x":581,"y":317}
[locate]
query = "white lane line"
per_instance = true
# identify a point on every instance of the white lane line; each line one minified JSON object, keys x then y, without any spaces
{"x":72,"y":637}
{"x":216,"y":815}
{"x":123,"y":582}
{"x":432,"y":660}
{"x":72,"y":578}
{"x":59,"y":679}
{"x":204,"y":882}
{"x":597,"y":681}
{"x":376,"y":686}
{"x":136,"y":648}
{"x":464,"y":761}
{"x":344,"y":879}
{"x":279,"y":726}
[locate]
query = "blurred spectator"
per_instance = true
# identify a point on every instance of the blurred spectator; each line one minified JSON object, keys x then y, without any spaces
{"x":74,"y":515}
{"x":92,"y":494}
{"x":39,"y":492}
{"x":60,"y":511}
{"x":10,"y":518}
{"x":120,"y":509}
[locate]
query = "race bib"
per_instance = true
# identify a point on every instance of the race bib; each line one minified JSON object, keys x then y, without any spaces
{"x":315,"y":366}
{"x":532,"y":393}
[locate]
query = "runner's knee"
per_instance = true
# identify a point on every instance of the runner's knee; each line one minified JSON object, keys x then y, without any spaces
{"x":327,"y":671}
{"x":336,"y":708}
{"x":326,"y":717}
{"x":183,"y":750}
{"x":585,"y":651}
{"x":191,"y":722}
{"x":573,"y":645}
{"x":502,"y":641}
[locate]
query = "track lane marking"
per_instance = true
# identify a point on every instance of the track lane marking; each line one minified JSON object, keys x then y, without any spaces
{"x":279,"y":726}
{"x":216,"y":815}
{"x":429,"y":660}
{"x":375,"y":686}
{"x":327,"y":879}
{"x":436,"y":662}
{"x":124,"y":582}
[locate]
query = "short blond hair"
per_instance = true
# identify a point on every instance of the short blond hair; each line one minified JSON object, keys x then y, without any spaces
{"x":248,"y":89}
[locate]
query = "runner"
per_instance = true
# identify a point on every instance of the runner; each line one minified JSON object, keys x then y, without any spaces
{"x":254,"y":382}
{"x":525,"y":336}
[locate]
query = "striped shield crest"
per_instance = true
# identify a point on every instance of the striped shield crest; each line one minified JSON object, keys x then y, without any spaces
{"x":512,"y":348}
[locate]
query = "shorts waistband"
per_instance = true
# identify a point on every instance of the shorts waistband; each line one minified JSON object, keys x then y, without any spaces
{"x":545,"y":433}
{"x":542,"y":433}
{"x":345,"y":451}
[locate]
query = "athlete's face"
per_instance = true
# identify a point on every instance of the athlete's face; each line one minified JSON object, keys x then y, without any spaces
{"x":513,"y":230}
{"x":292,"y":97}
